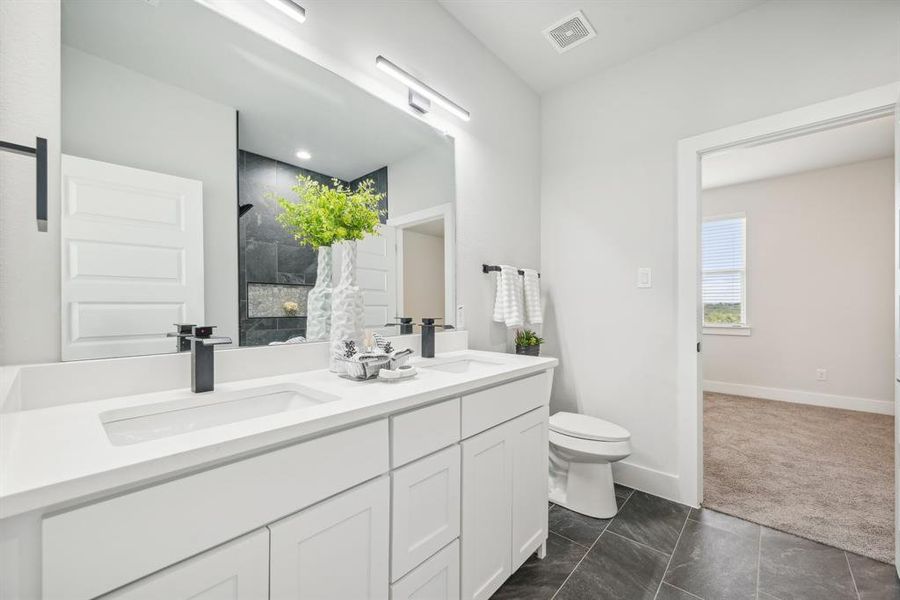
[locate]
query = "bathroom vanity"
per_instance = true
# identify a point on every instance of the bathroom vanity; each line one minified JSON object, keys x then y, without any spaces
{"x":297,"y":485}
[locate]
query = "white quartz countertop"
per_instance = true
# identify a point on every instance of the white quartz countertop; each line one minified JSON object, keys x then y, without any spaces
{"x":53,"y":456}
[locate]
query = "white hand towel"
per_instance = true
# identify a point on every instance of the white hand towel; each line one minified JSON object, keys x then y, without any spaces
{"x":533,"y":311}
{"x":508,"y":303}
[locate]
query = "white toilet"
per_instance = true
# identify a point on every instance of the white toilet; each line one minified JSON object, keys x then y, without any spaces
{"x":582,"y":449}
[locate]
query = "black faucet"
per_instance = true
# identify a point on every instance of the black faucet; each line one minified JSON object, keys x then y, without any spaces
{"x":183,"y":332}
{"x":406,"y":325}
{"x":428,"y":336}
{"x":202,"y":364}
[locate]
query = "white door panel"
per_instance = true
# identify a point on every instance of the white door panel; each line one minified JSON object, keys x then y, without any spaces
{"x":377,"y":277}
{"x":132,"y":258}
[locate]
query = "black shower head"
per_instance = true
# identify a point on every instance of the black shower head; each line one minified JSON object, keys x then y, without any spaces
{"x":243,"y":209}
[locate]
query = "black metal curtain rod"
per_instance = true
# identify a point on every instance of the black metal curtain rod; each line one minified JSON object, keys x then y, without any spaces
{"x":39,"y":152}
{"x":489,"y":268}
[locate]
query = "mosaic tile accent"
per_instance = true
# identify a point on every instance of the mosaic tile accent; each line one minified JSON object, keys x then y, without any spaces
{"x":269,"y":299}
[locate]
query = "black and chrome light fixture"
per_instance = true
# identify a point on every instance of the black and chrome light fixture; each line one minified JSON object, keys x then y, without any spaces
{"x":39,"y":152}
{"x":421,"y":95}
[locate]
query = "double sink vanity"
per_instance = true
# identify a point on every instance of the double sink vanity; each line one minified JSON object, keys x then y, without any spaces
{"x":291,"y":485}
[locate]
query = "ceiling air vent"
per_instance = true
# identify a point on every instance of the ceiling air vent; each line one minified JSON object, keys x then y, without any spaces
{"x":569,"y":32}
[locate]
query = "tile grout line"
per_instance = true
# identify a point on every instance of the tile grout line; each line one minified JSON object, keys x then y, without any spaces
{"x":671,"y":556}
{"x":580,"y":545}
{"x":680,"y":590}
{"x":648,"y":547}
{"x":575,"y":568}
{"x":852,"y":577}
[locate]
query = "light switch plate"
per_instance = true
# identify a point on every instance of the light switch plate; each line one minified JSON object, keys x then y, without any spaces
{"x":644,"y":278}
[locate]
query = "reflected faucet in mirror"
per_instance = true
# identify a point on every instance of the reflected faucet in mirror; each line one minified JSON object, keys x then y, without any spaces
{"x":202,"y":363}
{"x":183,"y":332}
{"x":405,"y":324}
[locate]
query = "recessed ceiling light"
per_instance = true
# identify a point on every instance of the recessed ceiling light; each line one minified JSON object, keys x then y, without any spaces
{"x":289,"y":8}
{"x":303,"y":155}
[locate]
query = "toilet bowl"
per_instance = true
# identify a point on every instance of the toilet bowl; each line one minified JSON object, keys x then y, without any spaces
{"x":582,"y":450}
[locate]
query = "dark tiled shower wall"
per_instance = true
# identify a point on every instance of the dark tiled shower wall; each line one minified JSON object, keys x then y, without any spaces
{"x":266,"y":252}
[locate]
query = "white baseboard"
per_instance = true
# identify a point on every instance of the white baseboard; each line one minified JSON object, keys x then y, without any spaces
{"x":883,"y":407}
{"x":664,"y":485}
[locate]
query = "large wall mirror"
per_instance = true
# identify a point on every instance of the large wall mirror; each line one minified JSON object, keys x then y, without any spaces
{"x":180,"y":128}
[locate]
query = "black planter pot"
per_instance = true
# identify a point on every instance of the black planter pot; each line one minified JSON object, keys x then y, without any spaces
{"x":528,"y":350}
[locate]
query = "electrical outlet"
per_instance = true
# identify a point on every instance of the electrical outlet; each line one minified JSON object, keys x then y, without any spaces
{"x":821,"y":374}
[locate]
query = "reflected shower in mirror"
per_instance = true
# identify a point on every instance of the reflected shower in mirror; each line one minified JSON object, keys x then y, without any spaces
{"x":180,"y":129}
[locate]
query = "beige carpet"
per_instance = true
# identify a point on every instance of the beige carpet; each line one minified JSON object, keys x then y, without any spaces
{"x":820,"y":473}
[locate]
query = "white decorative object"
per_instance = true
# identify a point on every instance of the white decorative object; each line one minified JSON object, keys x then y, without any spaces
{"x":318,"y":302}
{"x":346,"y":306}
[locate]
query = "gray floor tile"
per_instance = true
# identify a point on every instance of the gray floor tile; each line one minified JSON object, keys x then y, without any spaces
{"x":667,"y":592}
{"x":650,"y":520}
{"x":874,"y":580}
{"x":539,"y":579}
{"x":793,"y":568}
{"x":726,"y":522}
{"x":622,"y":494}
{"x":715,"y":563}
{"x":616,"y":568}
{"x":579,"y":528}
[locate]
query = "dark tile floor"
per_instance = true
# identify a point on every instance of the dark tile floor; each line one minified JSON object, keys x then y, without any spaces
{"x":657,"y":549}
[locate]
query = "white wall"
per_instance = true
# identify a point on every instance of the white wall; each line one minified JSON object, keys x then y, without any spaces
{"x":609,"y":193}
{"x":423,"y":275}
{"x":497,"y":152}
{"x":117,"y":115}
{"x":421,"y":180}
{"x":820,"y":285}
{"x":29,"y":107}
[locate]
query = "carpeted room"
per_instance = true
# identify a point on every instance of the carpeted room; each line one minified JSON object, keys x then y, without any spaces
{"x":798,"y":336}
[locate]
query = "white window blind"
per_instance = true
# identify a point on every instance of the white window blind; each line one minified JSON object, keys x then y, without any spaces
{"x":724,"y":261}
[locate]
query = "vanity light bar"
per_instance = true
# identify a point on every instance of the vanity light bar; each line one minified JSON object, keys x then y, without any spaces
{"x":289,"y":8}
{"x":420,"y":88}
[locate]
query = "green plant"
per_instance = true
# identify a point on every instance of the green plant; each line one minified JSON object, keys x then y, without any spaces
{"x":324,"y":215}
{"x":527,"y":337}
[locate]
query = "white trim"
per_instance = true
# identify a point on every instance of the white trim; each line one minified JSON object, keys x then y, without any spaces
{"x":871,"y":405}
{"x":742,"y":330}
{"x":658,"y":483}
{"x":825,"y":115}
{"x":446,"y":212}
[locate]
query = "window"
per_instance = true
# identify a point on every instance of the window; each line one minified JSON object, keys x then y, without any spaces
{"x":724,"y":262}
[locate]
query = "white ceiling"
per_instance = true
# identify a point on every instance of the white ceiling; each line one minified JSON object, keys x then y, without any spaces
{"x":849,"y":144}
{"x":286,"y":102}
{"x":511,"y":29}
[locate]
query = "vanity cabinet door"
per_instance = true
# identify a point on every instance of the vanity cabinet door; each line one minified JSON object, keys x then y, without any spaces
{"x":530,"y":494}
{"x":238,"y":570}
{"x":425,"y":509}
{"x":486,"y":512}
{"x":337,"y":549}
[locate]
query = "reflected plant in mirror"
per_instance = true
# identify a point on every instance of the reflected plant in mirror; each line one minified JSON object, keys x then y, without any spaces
{"x":322,"y":216}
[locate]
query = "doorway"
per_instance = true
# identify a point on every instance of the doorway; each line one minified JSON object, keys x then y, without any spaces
{"x":858,"y":108}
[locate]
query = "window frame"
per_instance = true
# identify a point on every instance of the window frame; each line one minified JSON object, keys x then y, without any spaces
{"x":742,"y":328}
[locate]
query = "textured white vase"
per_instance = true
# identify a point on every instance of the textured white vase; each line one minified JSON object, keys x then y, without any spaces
{"x":318,"y":302}
{"x":347,"y":316}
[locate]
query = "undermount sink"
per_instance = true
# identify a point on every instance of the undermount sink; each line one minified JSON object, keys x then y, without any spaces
{"x":460,"y":365}
{"x":174,"y":417}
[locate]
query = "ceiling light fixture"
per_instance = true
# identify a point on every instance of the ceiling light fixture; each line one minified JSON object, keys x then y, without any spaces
{"x":419,"y":93}
{"x":289,"y":8}
{"x":303,"y":155}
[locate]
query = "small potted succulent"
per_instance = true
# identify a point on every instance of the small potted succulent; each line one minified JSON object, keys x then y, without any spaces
{"x":528,"y":342}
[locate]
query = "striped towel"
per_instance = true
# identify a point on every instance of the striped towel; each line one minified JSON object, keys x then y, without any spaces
{"x":532,"y":284}
{"x":508,"y":304}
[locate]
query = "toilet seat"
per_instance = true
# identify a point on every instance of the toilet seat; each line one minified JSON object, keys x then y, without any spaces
{"x":587,"y":428}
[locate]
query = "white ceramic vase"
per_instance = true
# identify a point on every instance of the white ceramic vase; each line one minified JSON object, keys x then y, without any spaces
{"x":347,"y":316}
{"x":318,"y":302}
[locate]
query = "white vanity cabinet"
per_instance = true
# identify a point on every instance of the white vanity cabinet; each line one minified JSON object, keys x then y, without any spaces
{"x":335,"y":550}
{"x":238,"y":570}
{"x":504,"y":501}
